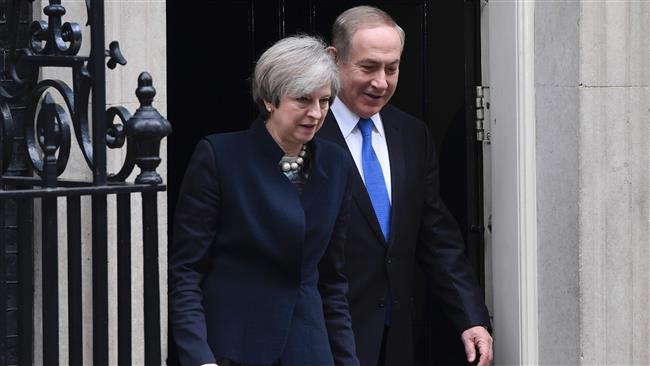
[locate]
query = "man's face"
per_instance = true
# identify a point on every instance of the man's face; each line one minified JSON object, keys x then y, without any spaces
{"x":369,"y":75}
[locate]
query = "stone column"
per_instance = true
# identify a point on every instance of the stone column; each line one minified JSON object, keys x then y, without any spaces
{"x":593,"y":126}
{"x":557,"y":130}
{"x":613,"y":196}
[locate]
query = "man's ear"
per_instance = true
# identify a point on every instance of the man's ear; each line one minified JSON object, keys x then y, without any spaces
{"x":332,"y":51}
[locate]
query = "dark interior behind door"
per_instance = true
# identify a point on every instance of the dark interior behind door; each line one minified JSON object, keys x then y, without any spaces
{"x":209,"y":93}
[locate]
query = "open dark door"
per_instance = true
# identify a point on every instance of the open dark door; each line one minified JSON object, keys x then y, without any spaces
{"x":440,"y":67}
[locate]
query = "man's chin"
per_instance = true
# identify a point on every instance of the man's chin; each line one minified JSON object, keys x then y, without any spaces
{"x":370,"y":111}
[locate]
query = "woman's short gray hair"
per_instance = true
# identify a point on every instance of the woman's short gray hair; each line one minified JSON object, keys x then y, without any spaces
{"x":294,"y":66}
{"x":348,"y":22}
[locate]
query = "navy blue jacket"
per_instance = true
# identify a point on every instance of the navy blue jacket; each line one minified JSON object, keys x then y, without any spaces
{"x":422,"y":230}
{"x":256,"y":268}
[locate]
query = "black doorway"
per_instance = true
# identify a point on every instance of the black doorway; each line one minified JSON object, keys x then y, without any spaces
{"x":212,"y":45}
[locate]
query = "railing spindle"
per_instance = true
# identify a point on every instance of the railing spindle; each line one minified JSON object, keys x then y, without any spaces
{"x":151,"y":279}
{"x":49,"y":239}
{"x":11,"y":282}
{"x":50,"y":283}
{"x":26,"y":272}
{"x":75,"y":329}
{"x":100,"y":281}
{"x":124,"y":279}
{"x":3,"y":287}
{"x":99,"y":206}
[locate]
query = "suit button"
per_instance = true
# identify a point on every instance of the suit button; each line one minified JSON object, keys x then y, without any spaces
{"x":389,"y":260}
{"x":381,"y":302}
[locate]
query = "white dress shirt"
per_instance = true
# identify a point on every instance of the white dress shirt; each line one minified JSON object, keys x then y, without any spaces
{"x":347,"y":121}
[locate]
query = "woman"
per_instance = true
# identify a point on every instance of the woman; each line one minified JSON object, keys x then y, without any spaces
{"x":259,"y":227}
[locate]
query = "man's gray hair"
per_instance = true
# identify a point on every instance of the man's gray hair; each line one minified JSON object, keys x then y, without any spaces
{"x":294,"y":66}
{"x":355,"y":18}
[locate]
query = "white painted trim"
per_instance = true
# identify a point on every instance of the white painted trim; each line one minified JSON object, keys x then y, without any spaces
{"x":513,"y":181}
{"x":526,"y":183}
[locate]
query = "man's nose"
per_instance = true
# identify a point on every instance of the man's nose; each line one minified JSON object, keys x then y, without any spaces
{"x":379,"y":80}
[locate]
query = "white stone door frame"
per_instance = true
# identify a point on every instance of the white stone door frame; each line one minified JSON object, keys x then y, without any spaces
{"x":508,"y":60}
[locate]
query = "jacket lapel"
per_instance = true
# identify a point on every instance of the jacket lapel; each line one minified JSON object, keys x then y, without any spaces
{"x":331,"y":131}
{"x":317,"y":181}
{"x":267,"y":155}
{"x":395,"y":144}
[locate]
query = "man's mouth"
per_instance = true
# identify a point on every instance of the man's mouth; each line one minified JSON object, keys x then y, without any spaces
{"x":373,"y":96}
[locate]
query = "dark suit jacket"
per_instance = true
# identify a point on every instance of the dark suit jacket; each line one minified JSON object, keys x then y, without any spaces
{"x":256,"y":268}
{"x":421,"y":228}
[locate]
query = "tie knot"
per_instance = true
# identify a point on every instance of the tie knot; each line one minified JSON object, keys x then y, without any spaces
{"x":365,"y":126}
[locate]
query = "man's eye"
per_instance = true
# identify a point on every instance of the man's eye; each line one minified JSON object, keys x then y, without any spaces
{"x":391,"y":70}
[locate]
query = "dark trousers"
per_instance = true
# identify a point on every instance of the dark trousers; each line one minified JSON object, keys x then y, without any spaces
{"x":226,"y":362}
{"x":382,"y":350}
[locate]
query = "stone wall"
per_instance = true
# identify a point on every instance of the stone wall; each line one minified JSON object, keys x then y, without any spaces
{"x":592,"y":117}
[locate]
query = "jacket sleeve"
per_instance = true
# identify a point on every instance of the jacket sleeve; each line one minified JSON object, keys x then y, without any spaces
{"x":333,"y":286}
{"x":195,"y":227}
{"x":441,"y":253}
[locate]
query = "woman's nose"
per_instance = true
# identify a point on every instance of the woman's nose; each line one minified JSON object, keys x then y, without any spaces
{"x":315,"y":110}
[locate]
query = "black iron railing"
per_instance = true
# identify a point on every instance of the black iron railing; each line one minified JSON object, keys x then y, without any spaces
{"x":35,"y":142}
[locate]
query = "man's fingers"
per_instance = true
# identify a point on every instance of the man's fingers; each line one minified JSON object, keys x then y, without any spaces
{"x":483,"y":361}
{"x":485,"y":351}
{"x":478,"y":345}
{"x":470,"y":351}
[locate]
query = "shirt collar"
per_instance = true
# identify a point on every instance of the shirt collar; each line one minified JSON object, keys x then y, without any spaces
{"x":348,"y":120}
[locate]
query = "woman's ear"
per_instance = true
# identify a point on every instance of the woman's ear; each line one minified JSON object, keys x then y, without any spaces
{"x":332,"y":51}
{"x":269,"y":106}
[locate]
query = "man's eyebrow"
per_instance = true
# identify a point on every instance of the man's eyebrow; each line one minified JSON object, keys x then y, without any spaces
{"x":373,"y":61}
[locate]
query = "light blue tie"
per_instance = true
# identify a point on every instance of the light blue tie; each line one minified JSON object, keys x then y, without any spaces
{"x":376,"y":187}
{"x":374,"y":177}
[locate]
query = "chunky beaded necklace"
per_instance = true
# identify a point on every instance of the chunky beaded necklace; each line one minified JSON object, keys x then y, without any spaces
{"x":293,"y":163}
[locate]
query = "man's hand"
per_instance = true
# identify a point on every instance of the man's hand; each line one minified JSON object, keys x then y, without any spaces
{"x":478,"y":337}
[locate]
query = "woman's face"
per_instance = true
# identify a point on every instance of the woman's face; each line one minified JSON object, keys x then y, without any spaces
{"x":296,"y":120}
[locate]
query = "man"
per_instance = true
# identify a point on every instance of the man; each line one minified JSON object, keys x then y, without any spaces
{"x":397,"y":214}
